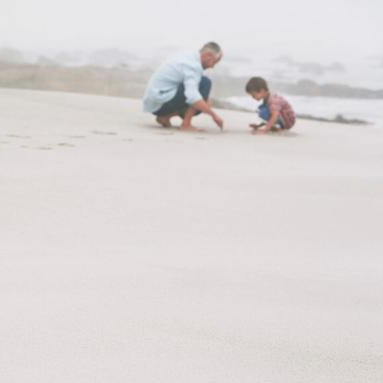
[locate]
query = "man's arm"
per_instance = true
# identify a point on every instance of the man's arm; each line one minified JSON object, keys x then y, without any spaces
{"x":193,"y":96}
{"x":204,"y":107}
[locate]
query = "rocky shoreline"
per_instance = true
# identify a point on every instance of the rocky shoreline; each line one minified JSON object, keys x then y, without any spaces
{"x":339,"y":119}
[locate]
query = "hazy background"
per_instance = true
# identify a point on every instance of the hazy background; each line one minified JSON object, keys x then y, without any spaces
{"x":309,"y":43}
{"x":323,"y":31}
{"x":310,"y":29}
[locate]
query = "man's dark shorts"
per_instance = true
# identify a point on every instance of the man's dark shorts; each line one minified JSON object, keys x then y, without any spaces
{"x":178,"y":105}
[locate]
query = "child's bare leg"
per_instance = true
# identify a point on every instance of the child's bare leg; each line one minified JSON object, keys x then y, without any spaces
{"x":273,"y":129}
{"x":257,"y":126}
{"x":276,"y":129}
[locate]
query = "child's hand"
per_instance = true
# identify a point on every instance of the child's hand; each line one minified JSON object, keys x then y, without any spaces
{"x":259,"y":131}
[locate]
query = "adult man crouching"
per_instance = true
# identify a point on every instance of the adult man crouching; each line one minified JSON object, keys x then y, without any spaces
{"x":179,"y":88}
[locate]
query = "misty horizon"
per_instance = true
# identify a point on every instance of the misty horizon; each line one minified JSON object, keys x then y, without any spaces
{"x":309,"y":31}
{"x":334,"y":41}
{"x":283,"y":68}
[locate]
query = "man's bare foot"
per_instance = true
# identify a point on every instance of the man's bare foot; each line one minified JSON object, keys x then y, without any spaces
{"x":190,"y":128}
{"x":164,"y":121}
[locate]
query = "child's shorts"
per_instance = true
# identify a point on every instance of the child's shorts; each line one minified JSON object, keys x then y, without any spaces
{"x":265,"y":114}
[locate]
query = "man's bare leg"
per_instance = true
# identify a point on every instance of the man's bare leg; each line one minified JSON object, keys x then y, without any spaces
{"x":165,"y":120}
{"x":186,"y":125}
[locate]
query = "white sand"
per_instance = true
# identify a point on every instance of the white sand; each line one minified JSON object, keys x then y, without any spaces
{"x":130,"y":253}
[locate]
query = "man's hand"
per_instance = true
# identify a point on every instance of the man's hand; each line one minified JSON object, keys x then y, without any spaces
{"x":204,"y":107}
{"x":218,"y":120}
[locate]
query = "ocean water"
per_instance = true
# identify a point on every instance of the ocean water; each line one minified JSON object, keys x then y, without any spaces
{"x":326,"y":107}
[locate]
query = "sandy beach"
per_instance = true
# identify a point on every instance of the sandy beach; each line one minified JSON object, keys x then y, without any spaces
{"x":133,"y":253}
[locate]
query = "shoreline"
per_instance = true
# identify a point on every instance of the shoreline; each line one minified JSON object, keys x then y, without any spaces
{"x":339,"y":119}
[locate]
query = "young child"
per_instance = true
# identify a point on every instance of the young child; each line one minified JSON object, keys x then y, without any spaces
{"x":275,"y":110}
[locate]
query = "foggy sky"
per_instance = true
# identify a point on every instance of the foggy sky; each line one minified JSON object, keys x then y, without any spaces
{"x":336,"y":30}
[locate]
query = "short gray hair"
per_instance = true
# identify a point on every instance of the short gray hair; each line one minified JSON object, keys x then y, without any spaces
{"x":213,"y":48}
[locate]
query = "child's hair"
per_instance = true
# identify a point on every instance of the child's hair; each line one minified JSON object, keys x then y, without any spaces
{"x":256,"y":84}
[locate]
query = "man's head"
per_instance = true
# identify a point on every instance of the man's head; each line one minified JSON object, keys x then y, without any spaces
{"x":257,"y":87}
{"x":211,"y":54}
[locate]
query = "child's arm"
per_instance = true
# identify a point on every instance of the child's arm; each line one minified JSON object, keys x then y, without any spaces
{"x":270,"y":123}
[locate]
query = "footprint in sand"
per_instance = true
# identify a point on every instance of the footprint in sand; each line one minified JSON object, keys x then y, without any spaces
{"x":18,"y":136}
{"x":200,"y":138}
{"x":128,"y":140}
{"x":166,"y":133}
{"x":77,"y":137}
{"x":44,"y":148}
{"x":103,"y":133}
{"x":4,"y":142}
{"x":290,"y":134}
{"x":66,"y":145}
